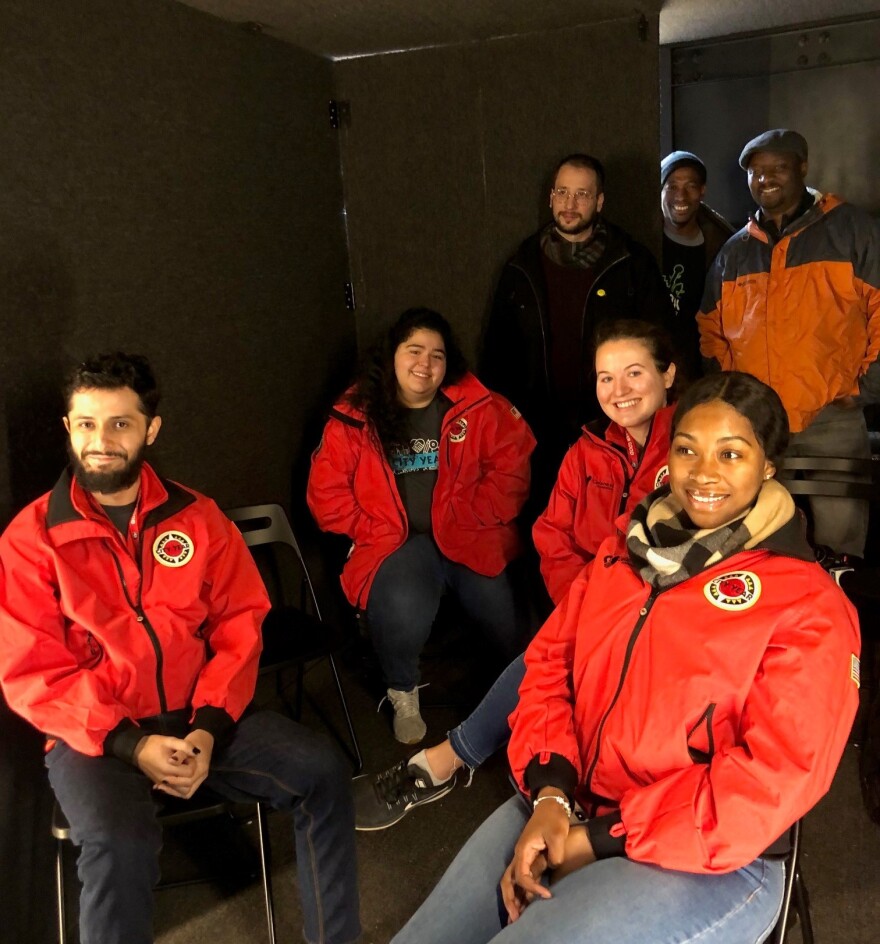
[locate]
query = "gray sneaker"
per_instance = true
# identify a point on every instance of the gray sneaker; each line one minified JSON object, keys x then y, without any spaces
{"x":408,"y":725}
{"x":381,"y":800}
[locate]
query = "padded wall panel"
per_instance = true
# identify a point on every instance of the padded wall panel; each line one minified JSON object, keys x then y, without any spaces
{"x":447,"y":156}
{"x":412,"y":166}
{"x":168,"y":184}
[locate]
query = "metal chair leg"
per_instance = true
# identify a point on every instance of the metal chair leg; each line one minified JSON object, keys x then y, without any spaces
{"x":354,"y":741}
{"x":782,"y":924}
{"x":802,"y":903}
{"x":59,"y":891}
{"x":266,"y":870}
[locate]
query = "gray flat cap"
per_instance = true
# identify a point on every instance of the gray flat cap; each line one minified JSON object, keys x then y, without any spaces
{"x":779,"y":139}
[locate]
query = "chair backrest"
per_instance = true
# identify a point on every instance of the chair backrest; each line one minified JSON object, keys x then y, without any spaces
{"x":796,"y":476}
{"x":268,"y":524}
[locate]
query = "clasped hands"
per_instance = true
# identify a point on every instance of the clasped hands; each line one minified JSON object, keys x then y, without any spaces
{"x":177,"y":766}
{"x":547,"y":842}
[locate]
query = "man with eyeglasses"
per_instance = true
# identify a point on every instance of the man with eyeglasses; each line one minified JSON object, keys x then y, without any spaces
{"x":563,"y":281}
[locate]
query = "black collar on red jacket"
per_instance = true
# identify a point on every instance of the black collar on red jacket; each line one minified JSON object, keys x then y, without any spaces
{"x":62,"y":511}
{"x":791,"y":539}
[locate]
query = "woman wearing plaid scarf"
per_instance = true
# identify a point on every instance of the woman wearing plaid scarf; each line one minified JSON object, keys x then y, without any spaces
{"x":680,"y":710}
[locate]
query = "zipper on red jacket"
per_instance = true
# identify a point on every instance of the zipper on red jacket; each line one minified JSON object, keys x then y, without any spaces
{"x":142,"y":619}
{"x":634,"y":635}
{"x":630,"y":473}
{"x":627,"y":482}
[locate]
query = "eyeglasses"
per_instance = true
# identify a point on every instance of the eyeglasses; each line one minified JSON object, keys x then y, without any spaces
{"x":580,"y":196}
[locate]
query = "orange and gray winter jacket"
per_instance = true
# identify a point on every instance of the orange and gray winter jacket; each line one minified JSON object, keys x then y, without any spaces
{"x":801,"y":313}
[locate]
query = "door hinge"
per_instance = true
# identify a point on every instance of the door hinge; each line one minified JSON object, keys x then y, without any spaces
{"x":350,"y":303}
{"x":340,"y":113}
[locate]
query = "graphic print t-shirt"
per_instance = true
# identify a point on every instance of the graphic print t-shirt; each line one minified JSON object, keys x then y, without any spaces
{"x":415,"y":463}
{"x":684,"y":271}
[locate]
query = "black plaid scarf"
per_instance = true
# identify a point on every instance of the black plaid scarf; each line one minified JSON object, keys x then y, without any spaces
{"x":565,"y":253}
{"x":666,"y":547}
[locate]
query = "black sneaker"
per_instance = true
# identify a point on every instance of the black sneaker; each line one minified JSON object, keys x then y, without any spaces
{"x":381,"y":800}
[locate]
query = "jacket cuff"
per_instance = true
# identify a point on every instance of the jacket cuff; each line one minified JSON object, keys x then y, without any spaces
{"x":554,"y":771}
{"x":122,"y":741}
{"x":213,"y":720}
{"x":607,"y":836}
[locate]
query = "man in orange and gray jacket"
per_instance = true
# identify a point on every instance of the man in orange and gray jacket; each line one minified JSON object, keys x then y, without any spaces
{"x":794,"y":298}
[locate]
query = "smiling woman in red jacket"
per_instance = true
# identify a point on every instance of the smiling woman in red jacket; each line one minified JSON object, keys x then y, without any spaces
{"x":426,"y":471}
{"x":693,"y":697}
{"x":607,"y":472}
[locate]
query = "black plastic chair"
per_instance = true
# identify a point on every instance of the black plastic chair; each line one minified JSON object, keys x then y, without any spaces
{"x":795,"y":894}
{"x":815,"y":476}
{"x":294,"y":632}
{"x":173,"y":812}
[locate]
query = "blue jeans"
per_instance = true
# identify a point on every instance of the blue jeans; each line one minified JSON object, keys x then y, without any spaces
{"x":615,"y":901}
{"x":405,"y":597}
{"x":110,"y":807}
{"x":485,"y":730}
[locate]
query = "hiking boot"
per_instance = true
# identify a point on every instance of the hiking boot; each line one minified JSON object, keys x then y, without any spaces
{"x":408,"y":725}
{"x":381,"y":800}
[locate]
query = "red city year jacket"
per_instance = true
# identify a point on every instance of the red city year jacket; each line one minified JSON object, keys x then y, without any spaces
{"x":94,"y":636}
{"x":482,"y":483}
{"x":705,"y":719}
{"x":596,"y":484}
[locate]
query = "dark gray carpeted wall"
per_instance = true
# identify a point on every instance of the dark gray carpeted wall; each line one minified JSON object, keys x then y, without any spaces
{"x":168,"y":184}
{"x":447,"y":155}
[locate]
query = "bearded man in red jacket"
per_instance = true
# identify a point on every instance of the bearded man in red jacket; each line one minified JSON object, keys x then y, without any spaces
{"x":130,"y":613}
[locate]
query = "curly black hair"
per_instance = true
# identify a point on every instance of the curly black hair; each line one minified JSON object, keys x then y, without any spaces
{"x":112,"y":371}
{"x":375,"y":389}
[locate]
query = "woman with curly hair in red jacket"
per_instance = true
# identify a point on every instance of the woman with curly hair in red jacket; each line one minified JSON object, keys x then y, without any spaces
{"x":426,"y":471}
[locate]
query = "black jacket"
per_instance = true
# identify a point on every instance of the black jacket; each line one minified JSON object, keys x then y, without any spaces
{"x":516,"y":359}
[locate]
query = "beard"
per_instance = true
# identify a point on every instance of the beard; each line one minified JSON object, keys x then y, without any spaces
{"x":112,"y":481}
{"x":581,"y":226}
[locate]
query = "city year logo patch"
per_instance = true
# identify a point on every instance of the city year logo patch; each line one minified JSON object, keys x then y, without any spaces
{"x":173,"y":549}
{"x":662,"y":476}
{"x":734,"y":591}
{"x":458,"y":430}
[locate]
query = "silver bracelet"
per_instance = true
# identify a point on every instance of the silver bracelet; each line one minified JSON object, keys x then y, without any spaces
{"x":557,"y":799}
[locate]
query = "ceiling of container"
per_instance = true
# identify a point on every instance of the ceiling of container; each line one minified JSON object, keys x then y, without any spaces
{"x":341,"y":29}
